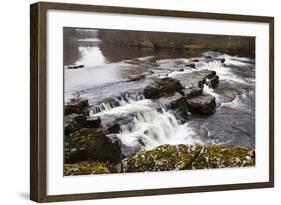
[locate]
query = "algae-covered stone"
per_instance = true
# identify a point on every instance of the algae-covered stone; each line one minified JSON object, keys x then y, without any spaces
{"x":86,"y":168}
{"x":216,"y":156}
{"x":91,"y":144}
{"x":185,"y":157}
{"x":162,"y":158}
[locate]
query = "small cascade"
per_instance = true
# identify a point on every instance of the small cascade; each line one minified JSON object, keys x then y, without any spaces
{"x":113,"y":102}
{"x":152,"y":128}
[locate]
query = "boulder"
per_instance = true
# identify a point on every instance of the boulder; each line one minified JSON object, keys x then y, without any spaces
{"x":92,"y":122}
{"x":111,"y":124}
{"x":76,"y":106}
{"x":204,"y":104}
{"x":73,"y":122}
{"x":161,"y":87}
{"x":151,"y":92}
{"x":181,"y":106}
{"x":162,"y":158}
{"x":193,"y":92}
{"x":168,"y":85}
{"x":187,"y":157}
{"x":89,"y":144}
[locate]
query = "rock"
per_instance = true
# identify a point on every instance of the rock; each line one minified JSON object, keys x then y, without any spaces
{"x":162,"y":158}
{"x":136,"y":77}
{"x":222,"y":60}
{"x":181,"y":106}
{"x":92,"y":122}
{"x":208,"y":73}
{"x":165,"y":101}
{"x":186,"y":157}
{"x":204,"y":104}
{"x":193,"y":92}
{"x":213,"y":82}
{"x":89,"y":144}
{"x":111,"y":124}
{"x":151,"y":92}
{"x":73,"y":122}
{"x":190,"y":64}
{"x":168,"y":85}
{"x":76,"y":106}
{"x":216,"y":156}
{"x":86,"y":168}
{"x":74,"y":66}
{"x":195,"y":60}
{"x":162,"y":87}
{"x":194,"y":79}
{"x":180,"y":70}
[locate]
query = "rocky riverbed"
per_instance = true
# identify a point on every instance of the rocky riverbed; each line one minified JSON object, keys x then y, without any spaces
{"x":158,"y":112}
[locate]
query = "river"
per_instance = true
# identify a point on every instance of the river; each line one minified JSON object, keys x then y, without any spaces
{"x":105,"y":80}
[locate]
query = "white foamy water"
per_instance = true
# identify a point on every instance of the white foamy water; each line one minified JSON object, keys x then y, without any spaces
{"x":151,"y":128}
{"x":90,"y":57}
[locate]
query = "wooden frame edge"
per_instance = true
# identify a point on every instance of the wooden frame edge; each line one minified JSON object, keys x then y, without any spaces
{"x":38,"y":93}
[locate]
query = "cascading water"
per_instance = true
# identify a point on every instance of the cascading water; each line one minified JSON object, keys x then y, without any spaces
{"x":152,"y":128}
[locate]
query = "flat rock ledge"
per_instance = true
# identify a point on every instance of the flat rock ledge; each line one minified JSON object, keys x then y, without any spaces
{"x":169,"y":158}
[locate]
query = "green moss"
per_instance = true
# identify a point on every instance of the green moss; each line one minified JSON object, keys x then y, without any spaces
{"x":216,"y":156}
{"x":162,"y":158}
{"x":86,"y":168}
{"x":184,"y":157}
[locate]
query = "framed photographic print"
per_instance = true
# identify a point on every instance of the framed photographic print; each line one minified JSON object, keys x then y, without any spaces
{"x":134,"y":102}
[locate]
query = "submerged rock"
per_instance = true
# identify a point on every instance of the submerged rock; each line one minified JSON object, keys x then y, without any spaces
{"x":86,"y":168}
{"x":186,"y":157}
{"x":91,"y":144}
{"x":204,"y":104}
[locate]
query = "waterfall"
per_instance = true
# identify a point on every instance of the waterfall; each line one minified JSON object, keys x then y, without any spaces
{"x":152,"y":128}
{"x":113,"y":102}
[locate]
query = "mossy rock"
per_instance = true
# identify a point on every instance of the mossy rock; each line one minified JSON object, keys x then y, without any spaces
{"x":186,"y":157}
{"x":92,"y":144}
{"x":86,"y":168}
{"x":162,"y":158}
{"x":217,"y":156}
